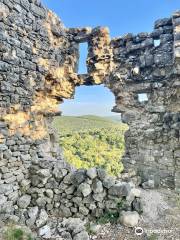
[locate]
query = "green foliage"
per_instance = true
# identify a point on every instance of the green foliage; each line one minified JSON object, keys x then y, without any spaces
{"x":178,"y":201}
{"x":153,"y":237}
{"x":88,"y":228}
{"x":16,"y":233}
{"x":121,"y":205}
{"x":108,"y":217}
{"x":91,"y":141}
{"x":29,"y":237}
{"x":112,"y":216}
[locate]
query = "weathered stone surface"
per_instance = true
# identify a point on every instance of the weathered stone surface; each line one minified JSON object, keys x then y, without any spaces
{"x":137,"y":205}
{"x":72,"y":228}
{"x":129,"y":219}
{"x":32,"y":213}
{"x":59,"y":173}
{"x":108,"y":182}
{"x":94,"y":228}
{"x":136,"y":192}
{"x":85,"y":189}
{"x":119,"y":189}
{"x":66,"y":235}
{"x":81,"y":236}
{"x":97,"y":186}
{"x":45,"y":232}
{"x":150,"y":184}
{"x":66,"y":212}
{"x":24,"y":201}
{"x":101,"y":174}
{"x":42,"y":219}
{"x":3,"y":199}
{"x":91,"y":173}
{"x":5,"y":188}
{"x":79,"y":177}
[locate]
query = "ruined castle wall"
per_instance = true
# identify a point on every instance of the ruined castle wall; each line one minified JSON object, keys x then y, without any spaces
{"x":38,"y":60}
{"x":141,"y":67}
{"x":38,"y":69}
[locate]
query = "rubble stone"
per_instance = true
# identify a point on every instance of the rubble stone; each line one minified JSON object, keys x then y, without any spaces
{"x":129,"y":219}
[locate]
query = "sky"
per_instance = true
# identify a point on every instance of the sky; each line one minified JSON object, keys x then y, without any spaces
{"x":121,"y":16}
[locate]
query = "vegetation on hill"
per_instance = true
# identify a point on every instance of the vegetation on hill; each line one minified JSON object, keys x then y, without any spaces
{"x":90,"y":141}
{"x":70,"y":124}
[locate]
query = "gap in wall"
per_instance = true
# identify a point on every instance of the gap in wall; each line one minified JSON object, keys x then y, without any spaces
{"x":157,"y":42}
{"x":142,"y":97}
{"x":89,"y":133}
{"x":83,"y":53}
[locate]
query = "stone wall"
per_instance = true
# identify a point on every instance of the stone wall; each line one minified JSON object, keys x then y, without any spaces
{"x":36,"y":58}
{"x":38,"y":69}
{"x":79,"y":193}
{"x":141,"y":67}
{"x":136,"y":66}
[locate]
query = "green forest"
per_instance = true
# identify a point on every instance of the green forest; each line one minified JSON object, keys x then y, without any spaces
{"x":92,"y":141}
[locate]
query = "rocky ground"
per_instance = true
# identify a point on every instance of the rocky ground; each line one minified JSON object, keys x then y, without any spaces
{"x":159,"y":221}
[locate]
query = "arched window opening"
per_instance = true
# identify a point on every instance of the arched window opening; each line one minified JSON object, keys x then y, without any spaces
{"x":83,"y":53}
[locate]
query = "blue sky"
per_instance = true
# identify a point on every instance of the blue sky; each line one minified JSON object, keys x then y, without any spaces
{"x":121,"y":16}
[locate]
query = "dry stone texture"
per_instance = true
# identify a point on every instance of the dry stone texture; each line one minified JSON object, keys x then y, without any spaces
{"x":38,"y":69}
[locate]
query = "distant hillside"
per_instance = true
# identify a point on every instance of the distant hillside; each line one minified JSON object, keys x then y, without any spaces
{"x":68,"y":124}
{"x":92,"y":141}
{"x":115,"y":118}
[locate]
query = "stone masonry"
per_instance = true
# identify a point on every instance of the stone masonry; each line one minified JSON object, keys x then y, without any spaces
{"x":141,"y":67}
{"x":39,"y":68}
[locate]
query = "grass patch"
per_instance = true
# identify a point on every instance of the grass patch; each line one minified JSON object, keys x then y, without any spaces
{"x":121,"y":205}
{"x":112,"y":216}
{"x":88,"y":229}
{"x":178,"y":200}
{"x":153,"y":237}
{"x":17,"y":233}
{"x":108,"y":217}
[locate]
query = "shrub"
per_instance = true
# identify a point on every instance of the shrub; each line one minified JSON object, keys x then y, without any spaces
{"x":95,"y":148}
